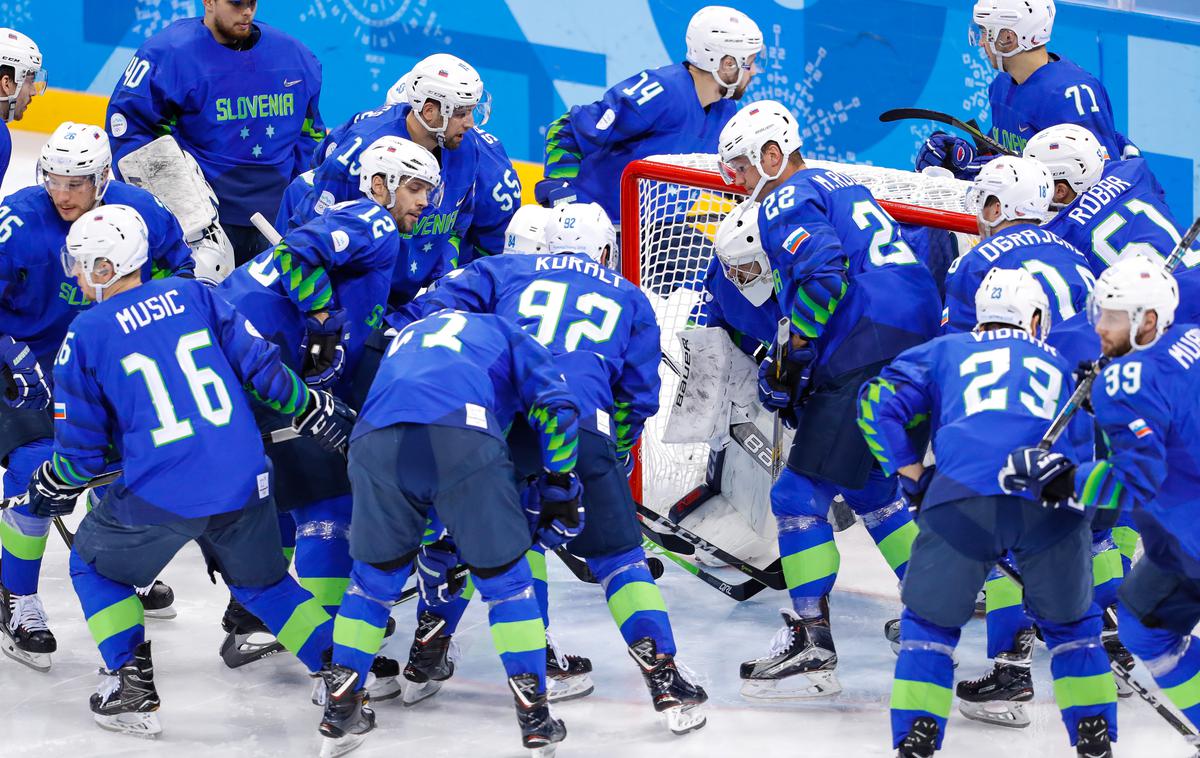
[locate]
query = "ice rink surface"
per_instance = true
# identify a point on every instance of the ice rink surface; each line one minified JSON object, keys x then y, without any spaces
{"x":263,"y":709}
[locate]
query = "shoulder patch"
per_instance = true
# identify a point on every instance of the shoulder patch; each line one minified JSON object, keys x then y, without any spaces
{"x":796,"y":239}
{"x":1140,"y":428}
{"x":341,"y":240}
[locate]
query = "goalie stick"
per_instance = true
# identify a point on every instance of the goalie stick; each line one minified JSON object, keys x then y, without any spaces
{"x":924,"y":114}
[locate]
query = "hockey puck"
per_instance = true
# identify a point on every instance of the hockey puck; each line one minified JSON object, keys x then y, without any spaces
{"x":656,"y":567}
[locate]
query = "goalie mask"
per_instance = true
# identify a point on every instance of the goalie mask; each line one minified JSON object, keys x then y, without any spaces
{"x":526,"y":232}
{"x":743,"y":259}
{"x":1012,"y":297}
{"x":399,"y":161}
{"x":450,"y":82}
{"x":715,"y":32}
{"x":1022,"y":186}
{"x":1134,"y":286}
{"x":582,"y":228}
{"x":115,"y":234}
{"x":75,"y":150}
{"x":1071,"y":153}
{"x":22,"y":54}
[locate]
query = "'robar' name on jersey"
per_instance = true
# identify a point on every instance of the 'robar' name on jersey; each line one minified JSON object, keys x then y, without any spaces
{"x":266,"y":105}
{"x":1098,"y":196}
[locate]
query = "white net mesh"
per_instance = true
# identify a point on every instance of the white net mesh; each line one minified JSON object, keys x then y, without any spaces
{"x":677,"y":220}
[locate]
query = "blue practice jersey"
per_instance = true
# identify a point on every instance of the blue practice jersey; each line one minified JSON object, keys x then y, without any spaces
{"x":1122,"y":214}
{"x":1061,"y":269}
{"x":1057,"y":93}
{"x":985,"y":393}
{"x":839,"y":263}
{"x":158,"y":371}
{"x":37,"y":298}
{"x":497,"y":196}
{"x":297,"y":190}
{"x":430,"y":250}
{"x":249,"y":118}
{"x":339,"y":260}
{"x":651,"y":113}
{"x":1148,"y":404}
{"x":464,"y":370}
{"x":599,"y":325}
{"x":722,"y":305}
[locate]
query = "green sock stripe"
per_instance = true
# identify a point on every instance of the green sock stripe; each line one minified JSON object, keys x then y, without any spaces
{"x":116,"y":618}
{"x":896,"y":548}
{"x":357,"y":635}
{"x":1106,"y":566}
{"x":288,"y":554}
{"x":634,"y":597}
{"x":328,"y":590}
{"x":537,"y":564}
{"x":1002,"y":593}
{"x":1084,"y":691}
{"x":301,"y":624}
{"x":927,"y":697}
{"x":1126,"y":538}
{"x":1184,"y":695}
{"x":469,"y":588}
{"x":518,"y":636}
{"x":22,"y":545}
{"x":809,"y":565}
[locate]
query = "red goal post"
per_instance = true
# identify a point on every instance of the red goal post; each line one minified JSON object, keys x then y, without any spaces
{"x":670,"y":208}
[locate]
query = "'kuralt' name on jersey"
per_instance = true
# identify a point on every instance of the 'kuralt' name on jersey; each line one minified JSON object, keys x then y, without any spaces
{"x":144,"y":312}
{"x":591,"y":268}
{"x":993,"y":249}
{"x":1095,"y":199}
{"x":1187,"y":350}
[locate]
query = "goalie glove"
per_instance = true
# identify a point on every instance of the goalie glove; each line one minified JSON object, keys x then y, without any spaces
{"x":28,"y":388}
{"x":50,"y":496}
{"x":435,"y":572}
{"x":553,"y":504}
{"x":327,"y":420}
{"x":1048,"y":477}
{"x":323,"y":350}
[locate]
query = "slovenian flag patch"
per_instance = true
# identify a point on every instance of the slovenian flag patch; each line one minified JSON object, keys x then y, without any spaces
{"x":796,"y":239}
{"x":60,"y":411}
{"x":1140,"y":428}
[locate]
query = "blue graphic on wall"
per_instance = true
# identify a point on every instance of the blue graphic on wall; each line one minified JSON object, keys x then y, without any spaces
{"x":836,"y":63}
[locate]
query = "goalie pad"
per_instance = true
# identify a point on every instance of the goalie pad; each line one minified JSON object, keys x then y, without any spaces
{"x":173,"y":176}
{"x":716,"y":388}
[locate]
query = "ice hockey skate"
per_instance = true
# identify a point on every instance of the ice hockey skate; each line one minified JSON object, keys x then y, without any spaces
{"x":126,"y":700}
{"x":347,"y":717}
{"x":430,"y":659}
{"x":567,"y":676}
{"x":996,"y":698}
{"x":540,"y":731}
{"x":801,"y":662}
{"x":24,"y":634}
{"x":157,"y":600}
{"x":247,"y":639}
{"x":675,"y":696}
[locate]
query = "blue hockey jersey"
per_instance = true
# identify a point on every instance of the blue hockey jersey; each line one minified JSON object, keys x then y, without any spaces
{"x":1148,"y":404}
{"x":654,"y":112}
{"x":722,"y":305}
{"x":1123,"y":214}
{"x":297,"y":190}
{"x":249,"y":118}
{"x":839,"y":263}
{"x":467,"y":370}
{"x":37,"y":298}
{"x":600,"y":327}
{"x":1057,"y":93}
{"x":158,"y":371}
{"x":497,"y":196}
{"x":5,"y":149}
{"x":1188,"y":310}
{"x":985,"y":393}
{"x":1059,"y":267}
{"x":340,"y":259}
{"x":335,"y":135}
{"x":429,"y":251}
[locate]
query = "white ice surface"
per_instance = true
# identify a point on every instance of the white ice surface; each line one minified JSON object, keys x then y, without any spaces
{"x":263,"y":709}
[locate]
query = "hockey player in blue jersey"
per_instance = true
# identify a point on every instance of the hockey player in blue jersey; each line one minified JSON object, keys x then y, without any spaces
{"x":497,"y":196}
{"x":443,"y":94}
{"x":1012,"y":196}
{"x":39,"y":301}
{"x":602,"y":331}
{"x":157,"y":369}
{"x":431,"y":436}
{"x":334,"y":137}
{"x":22,"y":78}
{"x":1004,"y":378}
{"x":239,"y":96}
{"x":318,"y":295}
{"x":837,"y":262}
{"x":1035,"y":89}
{"x":680,"y":108}
{"x":1108,"y":209}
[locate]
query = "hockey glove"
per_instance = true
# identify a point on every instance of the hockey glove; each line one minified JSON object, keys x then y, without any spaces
{"x":323,"y":350}
{"x":50,"y":496}
{"x":559,"y":509}
{"x":327,"y":420}
{"x":28,"y":388}
{"x":626,"y":463}
{"x":912,"y":491}
{"x":1048,"y":477}
{"x":780,"y":390}
{"x":955,"y":154}
{"x":552,"y":192}
{"x":435,"y":572}
{"x":1081,"y":372}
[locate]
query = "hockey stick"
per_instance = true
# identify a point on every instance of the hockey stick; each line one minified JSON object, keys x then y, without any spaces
{"x":266,"y":229}
{"x":1118,"y":670}
{"x":739,"y":592}
{"x":459,"y":572}
{"x":1185,"y":244}
{"x":924,"y":114}
{"x":782,"y":338}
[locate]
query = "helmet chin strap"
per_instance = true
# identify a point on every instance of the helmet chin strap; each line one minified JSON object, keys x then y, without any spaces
{"x":1135,"y":325}
{"x":727,"y":89}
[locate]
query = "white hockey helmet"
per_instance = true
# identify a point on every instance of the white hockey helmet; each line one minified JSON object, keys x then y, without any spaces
{"x":743,"y":259}
{"x":213,"y":255}
{"x":749,"y":131}
{"x":1012,"y":297}
{"x":526,"y":232}
{"x":1136,"y":285}
{"x":716,"y":31}
{"x":582,"y":228}
{"x":115,"y":233}
{"x":398,"y":92}
{"x":76,"y":150}
{"x":1071,"y":152}
{"x":452,"y":83}
{"x":399,"y":160}
{"x":1030,"y":20}
{"x":1022,"y":186}
{"x":22,"y":53}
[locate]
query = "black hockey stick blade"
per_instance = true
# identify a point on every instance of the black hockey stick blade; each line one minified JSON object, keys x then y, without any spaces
{"x":577,"y":566}
{"x":924,"y":114}
{"x":460,"y":572}
{"x":739,"y":592}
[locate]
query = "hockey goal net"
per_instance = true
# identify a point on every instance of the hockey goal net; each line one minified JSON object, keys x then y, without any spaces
{"x":671,"y":206}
